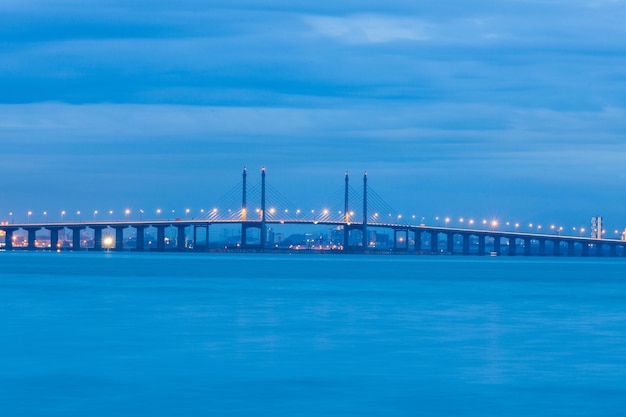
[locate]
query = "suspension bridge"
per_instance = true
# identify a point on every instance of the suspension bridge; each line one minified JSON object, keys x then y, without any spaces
{"x":358,"y":218}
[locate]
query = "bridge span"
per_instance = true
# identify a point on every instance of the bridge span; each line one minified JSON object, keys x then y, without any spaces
{"x":416,"y":239}
{"x":351,"y":233}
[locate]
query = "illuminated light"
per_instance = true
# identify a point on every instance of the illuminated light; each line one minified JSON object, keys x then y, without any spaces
{"x":516,"y":224}
{"x":272,"y":210}
{"x":471,"y":221}
{"x":107,"y":241}
{"x":494,"y":223}
{"x":530,"y":225}
{"x":461,"y":220}
{"x":325,"y":212}
{"x":215,"y":210}
{"x":484,"y":221}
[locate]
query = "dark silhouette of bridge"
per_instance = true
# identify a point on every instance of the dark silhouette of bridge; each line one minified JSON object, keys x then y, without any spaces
{"x":355,"y":223}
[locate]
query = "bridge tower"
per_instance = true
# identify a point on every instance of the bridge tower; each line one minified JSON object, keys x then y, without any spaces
{"x":596,"y":227}
{"x":365,"y":237}
{"x":253,"y":224}
{"x":244,"y":210}
{"x":346,"y":214}
{"x":263,"y":226}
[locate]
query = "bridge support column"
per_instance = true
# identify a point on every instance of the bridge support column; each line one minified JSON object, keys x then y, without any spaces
{"x":160,"y":237}
{"x":404,"y":236}
{"x":32,"y":237}
{"x":542,"y":247}
{"x":97,"y":237}
{"x":512,"y":246}
{"x":54,"y":237}
{"x":599,"y":247}
{"x":466,"y":243}
{"x":556,"y":248}
{"x":417,"y":246}
{"x":244,"y":213}
{"x":527,"y":246}
{"x":76,"y":237}
{"x":450,"y":243}
{"x":140,"y":231}
{"x":434,"y":242}
{"x":180,"y":237}
{"x":571,"y":248}
{"x":263,"y":237}
{"x":481,"y":244}
{"x":8,"y":237}
{"x":119,"y":237}
{"x":584,"y":251}
{"x":365,"y":236}
{"x":497,"y":245}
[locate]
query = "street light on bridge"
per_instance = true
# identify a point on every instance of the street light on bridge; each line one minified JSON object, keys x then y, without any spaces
{"x":62,"y":214}
{"x":29,"y":214}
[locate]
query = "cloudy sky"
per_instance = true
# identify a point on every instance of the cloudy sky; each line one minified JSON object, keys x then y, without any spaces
{"x":510,"y":108}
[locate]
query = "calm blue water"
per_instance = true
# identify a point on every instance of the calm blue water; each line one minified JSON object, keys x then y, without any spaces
{"x":310,"y":335}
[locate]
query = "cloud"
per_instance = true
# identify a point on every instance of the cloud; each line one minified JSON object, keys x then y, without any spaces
{"x":374,"y":29}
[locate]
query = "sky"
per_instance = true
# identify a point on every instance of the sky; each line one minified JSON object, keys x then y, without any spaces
{"x":514,"y":109}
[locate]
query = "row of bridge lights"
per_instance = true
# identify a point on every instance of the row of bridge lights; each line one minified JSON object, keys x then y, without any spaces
{"x":376,"y":217}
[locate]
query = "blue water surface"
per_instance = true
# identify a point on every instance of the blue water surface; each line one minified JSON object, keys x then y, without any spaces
{"x":140,"y":334}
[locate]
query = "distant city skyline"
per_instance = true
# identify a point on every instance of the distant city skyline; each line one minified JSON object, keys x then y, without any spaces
{"x":512,"y":111}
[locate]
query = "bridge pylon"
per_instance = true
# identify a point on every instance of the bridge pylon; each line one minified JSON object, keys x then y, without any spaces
{"x":245,"y":223}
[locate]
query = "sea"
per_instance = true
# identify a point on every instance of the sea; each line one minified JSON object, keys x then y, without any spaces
{"x":235,"y":334}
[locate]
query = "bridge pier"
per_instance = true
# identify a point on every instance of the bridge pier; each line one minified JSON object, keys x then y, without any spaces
{"x":481,"y":245}
{"x":512,"y":246}
{"x":584,"y":251}
{"x":571,"y":251}
{"x":599,"y":247}
{"x":542,"y":247}
{"x":180,"y":237}
{"x":195,"y":236}
{"x":405,"y":239}
{"x":497,"y":245}
{"x":32,"y":237}
{"x":140,"y":231}
{"x":54,"y":237}
{"x":8,"y":237}
{"x":450,"y":243}
{"x":527,"y":246}
{"x":160,"y":237}
{"x":434,"y":242}
{"x":119,"y":237}
{"x":556,"y":247}
{"x":97,"y":237}
{"x":417,"y":246}
{"x":76,"y":237}
{"x":466,"y":243}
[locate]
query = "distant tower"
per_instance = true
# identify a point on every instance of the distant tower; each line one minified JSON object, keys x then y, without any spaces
{"x":596,"y":227}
